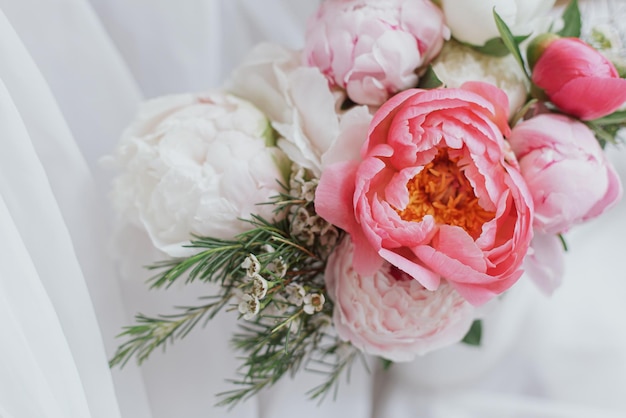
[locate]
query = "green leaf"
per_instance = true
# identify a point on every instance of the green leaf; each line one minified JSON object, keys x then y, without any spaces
{"x":429,"y":79}
{"x":386,"y":363}
{"x":509,"y":41}
{"x":474,"y":334}
{"x":495,"y":47}
{"x":615,"y":118}
{"x":572,"y":20}
{"x":606,"y":133}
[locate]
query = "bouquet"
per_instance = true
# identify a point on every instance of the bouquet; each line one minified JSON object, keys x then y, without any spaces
{"x":366,"y":195}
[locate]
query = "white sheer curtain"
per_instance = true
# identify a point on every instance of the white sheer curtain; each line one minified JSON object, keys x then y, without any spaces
{"x":71,"y":75}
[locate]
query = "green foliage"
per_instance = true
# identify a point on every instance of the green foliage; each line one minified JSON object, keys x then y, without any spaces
{"x":572,"y":21}
{"x":509,"y":41}
{"x":429,"y":79}
{"x":606,"y":128}
{"x":496,"y":47}
{"x":281,"y":337}
{"x":386,"y":363}
{"x":475,"y":333}
{"x":563,"y":242}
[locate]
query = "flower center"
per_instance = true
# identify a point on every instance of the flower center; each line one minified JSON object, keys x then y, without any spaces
{"x":442,"y":191}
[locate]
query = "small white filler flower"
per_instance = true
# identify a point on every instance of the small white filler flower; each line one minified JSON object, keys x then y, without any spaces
{"x":313,"y":302}
{"x":249,"y":306}
{"x":251,"y":265}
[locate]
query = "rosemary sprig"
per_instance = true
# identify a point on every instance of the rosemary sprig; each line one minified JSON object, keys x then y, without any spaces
{"x":281,"y":334}
{"x":151,"y":333}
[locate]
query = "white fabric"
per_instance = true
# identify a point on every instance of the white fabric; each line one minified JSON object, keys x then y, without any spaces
{"x":71,"y":76}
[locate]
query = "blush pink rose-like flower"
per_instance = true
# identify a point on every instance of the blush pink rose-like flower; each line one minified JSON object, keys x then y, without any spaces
{"x":391,"y":315}
{"x":372,"y":49}
{"x":578,"y":79}
{"x":567,"y":172}
{"x":437,"y":193}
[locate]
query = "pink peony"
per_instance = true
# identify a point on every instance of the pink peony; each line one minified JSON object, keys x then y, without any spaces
{"x":566,"y":171}
{"x":545,"y":263}
{"x":373,"y":48}
{"x":434,"y":194}
{"x":390,"y":315}
{"x":576,"y":78}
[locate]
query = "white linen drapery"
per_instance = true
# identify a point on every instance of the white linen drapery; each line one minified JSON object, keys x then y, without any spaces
{"x":52,"y":352}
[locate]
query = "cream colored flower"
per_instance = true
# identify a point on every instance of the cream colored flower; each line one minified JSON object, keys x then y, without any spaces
{"x":196,"y":164}
{"x":472,"y":21}
{"x":458,"y":63}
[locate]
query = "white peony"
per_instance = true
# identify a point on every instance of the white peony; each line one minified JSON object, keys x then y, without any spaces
{"x":196,"y":164}
{"x":457,"y":64}
{"x":472,"y":21}
{"x":299,"y":102}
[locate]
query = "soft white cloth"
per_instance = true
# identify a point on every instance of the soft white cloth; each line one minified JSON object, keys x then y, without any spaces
{"x":71,"y":76}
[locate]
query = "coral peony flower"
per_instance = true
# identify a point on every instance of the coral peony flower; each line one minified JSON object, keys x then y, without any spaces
{"x":196,"y":164}
{"x":576,"y":78}
{"x":472,"y":21}
{"x":391,"y":315}
{"x":434,"y":194}
{"x":373,"y":48}
{"x":299,"y":103}
{"x":567,"y":172}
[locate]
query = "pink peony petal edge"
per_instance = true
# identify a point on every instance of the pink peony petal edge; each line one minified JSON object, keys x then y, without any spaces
{"x":495,"y":96}
{"x":545,"y":264}
{"x":334,"y":194}
{"x":426,"y":277}
{"x":612,"y":196}
{"x":334,"y":203}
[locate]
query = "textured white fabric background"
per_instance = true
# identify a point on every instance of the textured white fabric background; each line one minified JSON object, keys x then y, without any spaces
{"x":71,"y":75}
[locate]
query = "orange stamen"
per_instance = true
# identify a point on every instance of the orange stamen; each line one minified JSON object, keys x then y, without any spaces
{"x":442,"y":191}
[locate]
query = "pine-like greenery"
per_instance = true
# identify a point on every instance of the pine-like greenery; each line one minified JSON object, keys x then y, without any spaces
{"x":282,"y":338}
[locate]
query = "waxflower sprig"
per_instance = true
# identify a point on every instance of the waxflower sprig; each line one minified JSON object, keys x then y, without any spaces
{"x":271,"y":275}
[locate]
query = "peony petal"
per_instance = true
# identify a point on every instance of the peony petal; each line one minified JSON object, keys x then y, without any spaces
{"x":612,"y":196}
{"x":353,"y":128}
{"x":456,"y":243}
{"x":477,"y":288}
{"x":591,"y":97}
{"x":366,"y":260}
{"x":334,"y":195}
{"x":545,"y":263}
{"x":426,"y":277}
{"x":497,"y":98}
{"x":382,"y":120}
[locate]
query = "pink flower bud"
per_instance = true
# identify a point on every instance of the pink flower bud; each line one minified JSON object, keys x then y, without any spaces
{"x":578,"y":79}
